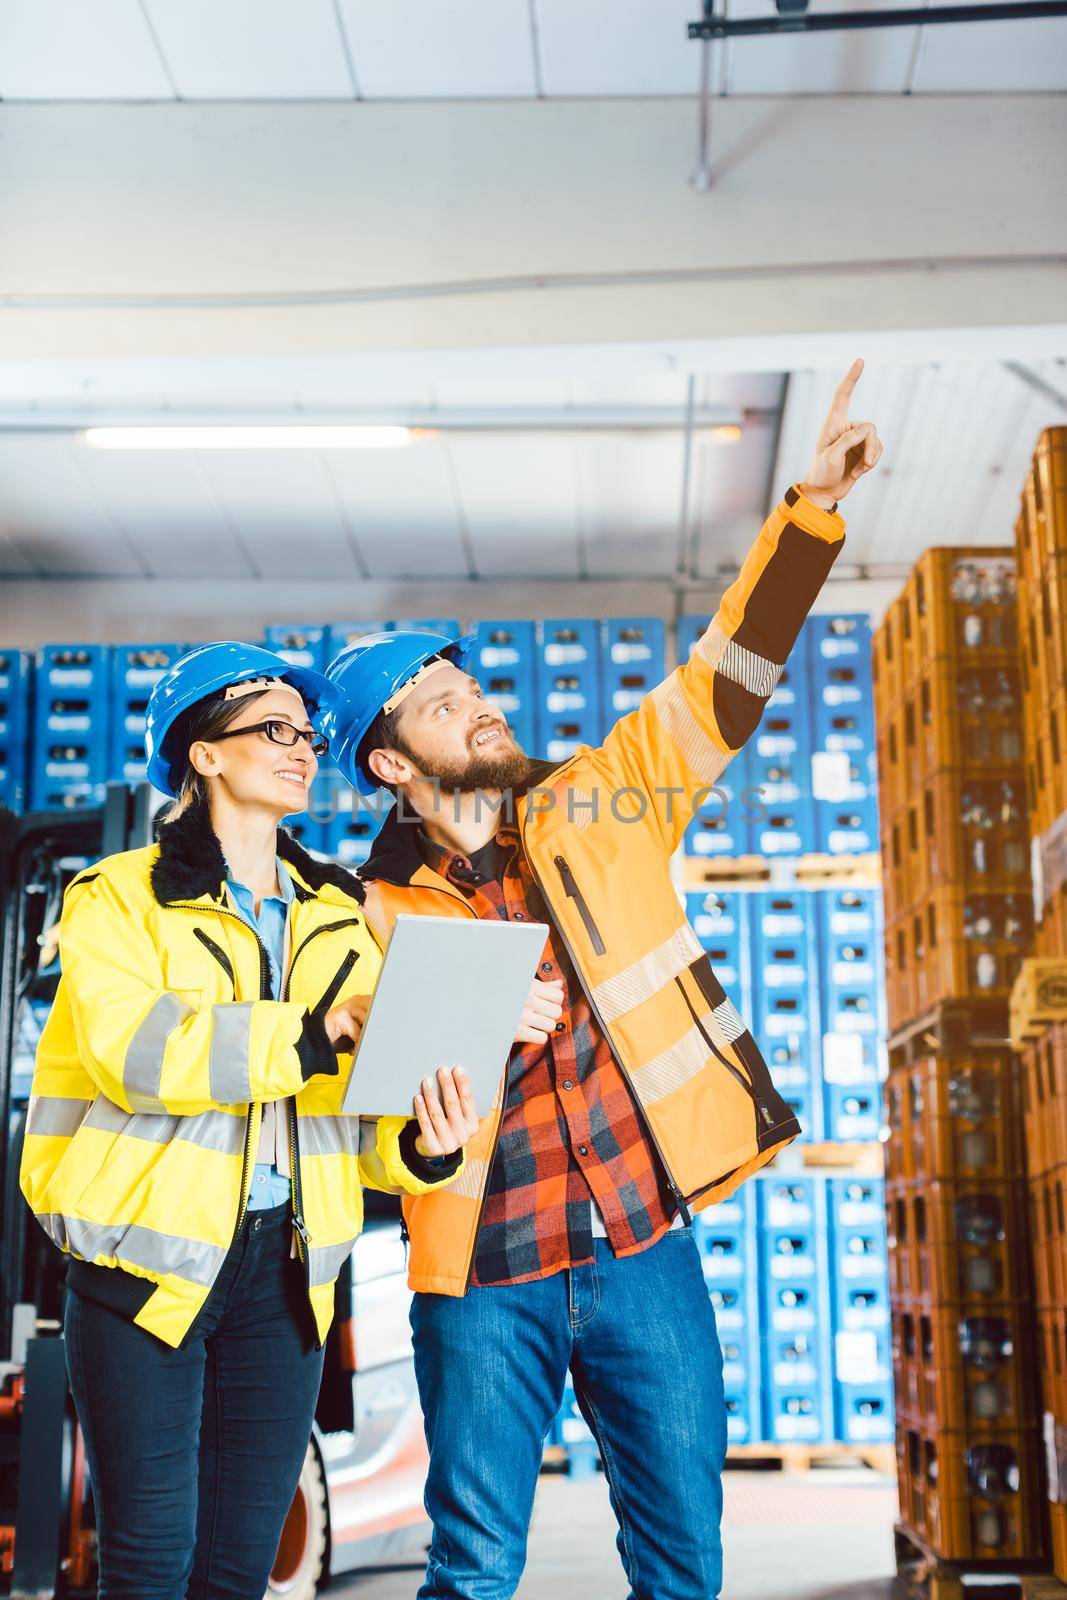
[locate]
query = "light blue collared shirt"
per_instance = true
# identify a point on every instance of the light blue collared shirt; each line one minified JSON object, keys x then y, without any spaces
{"x":269,"y":1186}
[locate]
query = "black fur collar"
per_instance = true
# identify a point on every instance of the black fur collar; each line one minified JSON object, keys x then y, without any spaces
{"x":191,"y":863}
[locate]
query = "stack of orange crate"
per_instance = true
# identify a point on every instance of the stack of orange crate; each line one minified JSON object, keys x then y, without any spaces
{"x":1040,"y":996}
{"x":956,"y":868}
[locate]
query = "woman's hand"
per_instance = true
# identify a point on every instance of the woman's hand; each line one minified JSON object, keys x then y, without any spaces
{"x":544,"y":1007}
{"x":446,"y":1113}
{"x":344,"y":1022}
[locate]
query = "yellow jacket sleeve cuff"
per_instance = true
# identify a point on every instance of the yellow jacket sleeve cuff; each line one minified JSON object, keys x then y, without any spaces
{"x":804,"y":513}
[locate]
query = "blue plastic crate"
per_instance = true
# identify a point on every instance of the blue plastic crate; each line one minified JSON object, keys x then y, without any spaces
{"x":853,"y":1113}
{"x":848,"y":826}
{"x":70,"y":741}
{"x":721,"y":920}
{"x":14,"y":727}
{"x":790,"y":693}
{"x":569,"y":703}
{"x":351,"y":822}
{"x":301,"y":646}
{"x":632,"y":663}
{"x":851,"y":963}
{"x":795,"y":1306}
{"x":859,"y":1251}
{"x":446,"y":625}
{"x":135,"y":671}
{"x":722,"y":824}
{"x":785,"y":999}
{"x":780,"y":771}
{"x":863,"y":1412}
{"x":505,"y":664}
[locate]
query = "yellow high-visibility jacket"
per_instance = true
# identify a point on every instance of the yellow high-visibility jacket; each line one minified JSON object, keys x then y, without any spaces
{"x":159,"y":1053}
{"x":599,"y":830}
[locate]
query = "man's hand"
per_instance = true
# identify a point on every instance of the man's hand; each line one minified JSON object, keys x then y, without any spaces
{"x":344,"y":1022}
{"x":543,"y":1009}
{"x":446,"y":1113}
{"x":845,"y":450}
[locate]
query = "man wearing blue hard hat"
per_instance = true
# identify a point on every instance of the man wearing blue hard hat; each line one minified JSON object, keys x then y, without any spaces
{"x":186,"y":1144}
{"x":635,"y":1097}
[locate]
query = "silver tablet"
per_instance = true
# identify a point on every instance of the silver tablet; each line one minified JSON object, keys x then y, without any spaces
{"x":450,"y":994}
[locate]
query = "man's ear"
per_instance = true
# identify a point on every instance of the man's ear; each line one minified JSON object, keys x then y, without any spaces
{"x":388,"y":767}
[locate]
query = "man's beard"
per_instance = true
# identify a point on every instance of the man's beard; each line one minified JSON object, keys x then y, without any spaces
{"x":509,"y":770}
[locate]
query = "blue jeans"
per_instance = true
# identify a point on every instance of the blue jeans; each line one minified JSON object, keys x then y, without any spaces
{"x":639,"y":1337}
{"x":194,"y":1454}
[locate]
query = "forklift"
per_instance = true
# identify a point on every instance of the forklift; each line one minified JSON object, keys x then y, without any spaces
{"x":359,"y":1499}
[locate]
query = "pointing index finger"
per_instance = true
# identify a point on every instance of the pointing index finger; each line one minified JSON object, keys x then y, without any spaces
{"x":850,"y":380}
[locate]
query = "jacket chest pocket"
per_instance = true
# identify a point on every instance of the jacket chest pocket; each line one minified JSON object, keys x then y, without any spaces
{"x":196,"y":978}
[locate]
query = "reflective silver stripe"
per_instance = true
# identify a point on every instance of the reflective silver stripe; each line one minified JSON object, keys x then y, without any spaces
{"x":331,"y":1136}
{"x":638,"y":982}
{"x":142,"y":1071}
{"x":753,"y":672}
{"x":701,"y":755}
{"x":472,"y":1180}
{"x":142,"y":1247}
{"x":325,"y":1262}
{"x":209,"y":1130}
{"x":55,"y":1114}
{"x":228,"y":1069}
{"x":674,"y":1067}
{"x":671,"y":1068}
{"x":728,"y":1020}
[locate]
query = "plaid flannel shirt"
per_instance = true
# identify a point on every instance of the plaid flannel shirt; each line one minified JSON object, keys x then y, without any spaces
{"x":570,"y":1131}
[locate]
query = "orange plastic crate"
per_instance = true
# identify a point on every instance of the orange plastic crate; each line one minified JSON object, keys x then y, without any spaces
{"x":966,"y":715}
{"x":965,"y":830}
{"x":955,"y":945}
{"x":1058,"y":1522}
{"x":1046,"y":765}
{"x":974,"y":1499}
{"x":1044,"y":1087}
{"x":956,"y":1117}
{"x":962,"y":603}
{"x":1052,"y":1334}
{"x":1048,"y":1232}
{"x":960,"y":1370}
{"x":957,"y":1242}
{"x":1049,"y":480}
{"x":887,"y":659}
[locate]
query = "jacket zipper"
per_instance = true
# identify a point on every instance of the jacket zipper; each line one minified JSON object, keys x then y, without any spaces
{"x":264,"y":994}
{"x":762,"y":1111}
{"x":299,"y":1225}
{"x":220,"y":956}
{"x":572,"y":891}
{"x":679,"y":1198}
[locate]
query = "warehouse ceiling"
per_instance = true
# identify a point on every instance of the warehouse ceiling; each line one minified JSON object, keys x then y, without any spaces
{"x":368,"y":49}
{"x":604,"y":502}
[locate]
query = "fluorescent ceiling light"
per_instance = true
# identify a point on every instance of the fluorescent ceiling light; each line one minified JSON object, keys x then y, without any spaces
{"x":299,"y":437}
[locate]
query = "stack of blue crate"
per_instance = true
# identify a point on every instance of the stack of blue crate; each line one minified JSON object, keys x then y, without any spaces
{"x":863,"y":1361}
{"x":797,"y":1386}
{"x":843,"y":780}
{"x":726,"y":1237}
{"x":70,"y":727}
{"x":721,"y":921}
{"x":779,"y":764}
{"x":633,"y":661}
{"x":569,"y":703}
{"x":14,"y":727}
{"x":135,"y":671}
{"x":505,"y":664}
{"x":852,"y":1004}
{"x":784,"y":981}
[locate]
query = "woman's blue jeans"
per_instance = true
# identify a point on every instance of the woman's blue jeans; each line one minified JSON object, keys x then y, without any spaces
{"x":194,"y":1454}
{"x":639,"y":1337}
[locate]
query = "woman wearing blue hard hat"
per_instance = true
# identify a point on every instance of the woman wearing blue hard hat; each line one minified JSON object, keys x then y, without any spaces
{"x":186,"y":1145}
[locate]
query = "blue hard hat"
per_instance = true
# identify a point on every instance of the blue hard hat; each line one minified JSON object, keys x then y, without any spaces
{"x":365,"y":676}
{"x":205,"y":671}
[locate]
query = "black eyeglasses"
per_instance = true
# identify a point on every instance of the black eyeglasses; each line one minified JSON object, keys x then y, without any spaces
{"x":280,"y":733}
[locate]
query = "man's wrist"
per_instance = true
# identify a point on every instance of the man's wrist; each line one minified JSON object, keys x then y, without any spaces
{"x":818,"y":497}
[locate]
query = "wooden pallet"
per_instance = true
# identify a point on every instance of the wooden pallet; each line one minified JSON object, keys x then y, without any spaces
{"x":866,"y":1159}
{"x":952,"y":1025}
{"x":804,"y":1457}
{"x":925,"y":1576}
{"x":814,"y":871}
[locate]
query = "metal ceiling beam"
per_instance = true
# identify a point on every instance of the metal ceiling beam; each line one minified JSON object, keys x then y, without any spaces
{"x":720,"y":27}
{"x":466,"y":419}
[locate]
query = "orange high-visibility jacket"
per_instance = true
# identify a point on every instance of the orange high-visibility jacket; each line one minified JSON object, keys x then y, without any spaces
{"x":599,"y":831}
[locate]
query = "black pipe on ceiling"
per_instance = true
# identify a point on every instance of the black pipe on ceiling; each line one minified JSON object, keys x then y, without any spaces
{"x":793,"y":21}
